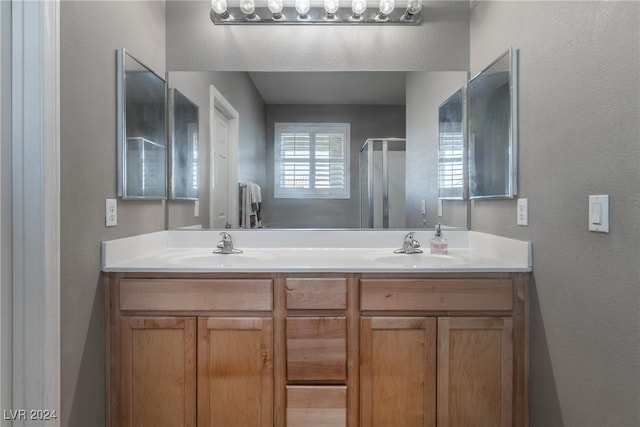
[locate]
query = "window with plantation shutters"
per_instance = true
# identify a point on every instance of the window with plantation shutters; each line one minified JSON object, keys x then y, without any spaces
{"x":450,"y":160}
{"x":311,"y":160}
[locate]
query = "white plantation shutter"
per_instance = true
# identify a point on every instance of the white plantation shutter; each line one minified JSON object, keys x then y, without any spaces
{"x":311,"y":160}
{"x":450,"y":161}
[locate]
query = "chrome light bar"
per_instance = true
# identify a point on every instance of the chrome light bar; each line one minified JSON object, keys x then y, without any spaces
{"x":303,"y":14}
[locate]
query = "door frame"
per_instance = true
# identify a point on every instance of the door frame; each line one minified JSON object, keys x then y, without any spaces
{"x":35,"y":200}
{"x":218,"y":101}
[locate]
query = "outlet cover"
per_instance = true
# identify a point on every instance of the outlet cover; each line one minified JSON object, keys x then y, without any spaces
{"x":523,"y":212}
{"x":111,"y":212}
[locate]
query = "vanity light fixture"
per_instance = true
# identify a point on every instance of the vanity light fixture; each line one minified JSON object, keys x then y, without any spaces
{"x":231,"y":12}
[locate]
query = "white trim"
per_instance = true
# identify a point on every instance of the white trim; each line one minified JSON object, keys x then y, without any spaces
{"x":217,"y":100}
{"x":36,"y":206}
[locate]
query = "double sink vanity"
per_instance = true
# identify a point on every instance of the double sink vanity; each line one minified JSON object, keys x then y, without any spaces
{"x":316,"y":328}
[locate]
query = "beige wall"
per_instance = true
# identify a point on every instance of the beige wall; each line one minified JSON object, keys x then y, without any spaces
{"x":90,"y":34}
{"x":579,"y":135}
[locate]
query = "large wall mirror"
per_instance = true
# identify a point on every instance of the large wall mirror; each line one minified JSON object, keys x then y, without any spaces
{"x":141,"y":121}
{"x":378,"y":105}
{"x":452,"y":151}
{"x":493,"y":129}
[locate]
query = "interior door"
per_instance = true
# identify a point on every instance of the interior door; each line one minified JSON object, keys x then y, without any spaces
{"x":220,"y":173}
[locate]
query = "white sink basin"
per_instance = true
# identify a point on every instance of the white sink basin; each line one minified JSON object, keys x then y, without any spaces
{"x":424,"y":260}
{"x":217,"y":260}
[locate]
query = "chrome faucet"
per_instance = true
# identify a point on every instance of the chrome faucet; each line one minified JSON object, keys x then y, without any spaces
{"x":409,"y":245}
{"x":225,"y":245}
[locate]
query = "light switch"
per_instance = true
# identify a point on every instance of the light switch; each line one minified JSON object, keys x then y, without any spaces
{"x":423,"y":204}
{"x":439,"y":207}
{"x":599,"y":213}
{"x":196,"y":208}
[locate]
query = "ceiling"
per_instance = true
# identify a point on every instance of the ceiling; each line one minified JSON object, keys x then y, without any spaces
{"x":337,"y":87}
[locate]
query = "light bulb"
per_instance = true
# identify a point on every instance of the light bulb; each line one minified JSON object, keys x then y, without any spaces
{"x":358,"y":7}
{"x":331,"y":6}
{"x":219,"y":6}
{"x":248,"y":7}
{"x":386,"y":7}
{"x":275,"y":6}
{"x":302,"y":7}
{"x":414,"y":7}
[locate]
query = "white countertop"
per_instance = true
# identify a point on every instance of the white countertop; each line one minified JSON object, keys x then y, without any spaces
{"x":357,"y":251}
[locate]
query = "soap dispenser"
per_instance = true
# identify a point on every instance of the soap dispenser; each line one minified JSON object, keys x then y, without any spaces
{"x":439,"y":244}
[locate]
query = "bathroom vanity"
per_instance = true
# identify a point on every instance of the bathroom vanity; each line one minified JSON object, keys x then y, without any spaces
{"x":326,"y":335}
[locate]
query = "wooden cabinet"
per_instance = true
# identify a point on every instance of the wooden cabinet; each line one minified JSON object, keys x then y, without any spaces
{"x":480,"y":352}
{"x":157,"y":372}
{"x":329,"y":350}
{"x":235,"y":372}
{"x":189,"y":351}
{"x":475,"y":371}
{"x":398,"y":372}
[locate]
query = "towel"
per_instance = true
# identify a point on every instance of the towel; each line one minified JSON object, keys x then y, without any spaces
{"x":251,"y":206}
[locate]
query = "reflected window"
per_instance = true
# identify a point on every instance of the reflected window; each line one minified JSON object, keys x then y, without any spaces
{"x":312,"y":160}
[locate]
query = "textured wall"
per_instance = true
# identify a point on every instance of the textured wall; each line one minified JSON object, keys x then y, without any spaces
{"x":579,"y":132}
{"x":239,"y":90}
{"x":367,"y":121}
{"x":195,"y":43}
{"x":425,"y":92}
{"x":90,"y":34}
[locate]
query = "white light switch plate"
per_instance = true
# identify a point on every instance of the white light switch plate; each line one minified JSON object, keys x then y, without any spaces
{"x":599,"y":213}
{"x":523,"y":212}
{"x":196,"y":208}
{"x":439,"y":207}
{"x":111,"y":212}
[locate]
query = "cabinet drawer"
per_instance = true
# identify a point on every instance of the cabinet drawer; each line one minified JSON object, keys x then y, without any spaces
{"x":318,"y":294}
{"x":322,"y":406}
{"x":317,"y":349}
{"x":437,"y":294}
{"x":196,"y":295}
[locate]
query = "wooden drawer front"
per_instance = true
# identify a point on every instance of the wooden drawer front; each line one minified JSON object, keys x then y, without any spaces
{"x":196,"y":295}
{"x":318,"y":294}
{"x":320,"y":406}
{"x":317,"y":349}
{"x":437,"y":294}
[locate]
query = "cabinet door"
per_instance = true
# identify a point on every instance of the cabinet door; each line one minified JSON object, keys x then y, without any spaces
{"x":157,"y":372}
{"x":398,"y":372}
{"x":475,"y":366}
{"x":235,"y":372}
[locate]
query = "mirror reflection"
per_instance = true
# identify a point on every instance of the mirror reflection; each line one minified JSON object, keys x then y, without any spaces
{"x":493,"y":129}
{"x":183,"y":170}
{"x":376,"y":105}
{"x":452,"y":147}
{"x":142,"y":139}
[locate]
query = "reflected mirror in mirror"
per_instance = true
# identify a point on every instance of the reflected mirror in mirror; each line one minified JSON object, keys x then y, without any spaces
{"x":380,"y":105}
{"x":451,"y":147}
{"x":493,"y":129}
{"x":142,"y":140}
{"x":183,"y":117}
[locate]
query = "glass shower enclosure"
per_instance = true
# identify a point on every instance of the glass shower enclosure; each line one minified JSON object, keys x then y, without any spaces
{"x":382,"y":183}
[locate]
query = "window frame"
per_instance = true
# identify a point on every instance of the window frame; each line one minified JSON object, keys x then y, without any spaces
{"x":312,"y":192}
